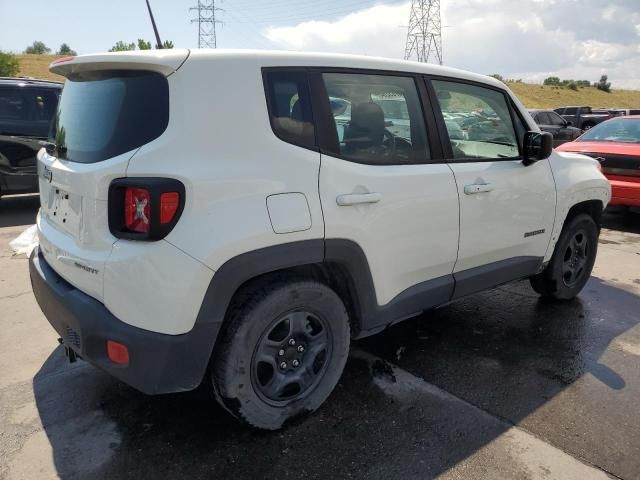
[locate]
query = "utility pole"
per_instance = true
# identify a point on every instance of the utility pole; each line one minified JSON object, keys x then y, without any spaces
{"x":206,"y":11}
{"x":424,"y":35}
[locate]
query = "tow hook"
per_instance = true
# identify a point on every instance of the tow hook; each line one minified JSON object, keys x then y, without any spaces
{"x":71,"y":355}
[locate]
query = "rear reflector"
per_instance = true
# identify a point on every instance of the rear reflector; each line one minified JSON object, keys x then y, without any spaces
{"x":136,"y":209}
{"x":169,"y":203}
{"x":117,"y":352}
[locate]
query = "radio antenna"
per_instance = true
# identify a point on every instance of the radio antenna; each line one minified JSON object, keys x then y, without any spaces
{"x":155,"y":29}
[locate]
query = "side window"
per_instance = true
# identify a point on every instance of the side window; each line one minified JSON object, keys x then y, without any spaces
{"x":44,"y":104}
{"x":556,"y":119}
{"x":377,"y":118}
{"x":13,"y":105}
{"x":289,"y":105}
{"x":484,"y":118}
{"x":571,"y":111}
{"x":543,"y":118}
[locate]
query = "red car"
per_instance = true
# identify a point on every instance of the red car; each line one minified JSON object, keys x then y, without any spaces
{"x":616,"y":143}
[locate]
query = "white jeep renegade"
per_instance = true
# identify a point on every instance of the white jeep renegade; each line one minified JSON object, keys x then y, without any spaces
{"x":240,"y":216}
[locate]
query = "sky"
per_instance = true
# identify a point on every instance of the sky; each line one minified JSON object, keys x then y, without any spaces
{"x":527,"y":39}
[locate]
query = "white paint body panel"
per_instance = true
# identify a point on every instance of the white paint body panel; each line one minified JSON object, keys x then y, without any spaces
{"x":493,"y":223}
{"x":578,"y":179}
{"x":410,"y":235}
{"x":154,"y":286}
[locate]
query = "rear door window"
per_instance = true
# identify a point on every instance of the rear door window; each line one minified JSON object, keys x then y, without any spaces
{"x":107,"y":113}
{"x":377,"y":119}
{"x":289,"y":105}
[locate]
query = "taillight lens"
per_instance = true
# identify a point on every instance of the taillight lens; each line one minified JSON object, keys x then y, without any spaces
{"x":144,"y":208}
{"x":169,"y":203}
{"x":137,"y":209}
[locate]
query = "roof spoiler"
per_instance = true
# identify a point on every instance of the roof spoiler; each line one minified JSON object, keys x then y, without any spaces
{"x":165,"y":61}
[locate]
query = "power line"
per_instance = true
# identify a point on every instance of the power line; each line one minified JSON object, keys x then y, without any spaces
{"x":424,"y":35}
{"x":206,"y":20}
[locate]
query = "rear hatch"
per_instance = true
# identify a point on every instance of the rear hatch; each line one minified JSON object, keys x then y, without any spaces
{"x":111,"y":105}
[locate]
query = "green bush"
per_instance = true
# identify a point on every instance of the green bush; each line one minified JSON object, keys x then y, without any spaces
{"x":38,"y":48}
{"x":9,"y":64}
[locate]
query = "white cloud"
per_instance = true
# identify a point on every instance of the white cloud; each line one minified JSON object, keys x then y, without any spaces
{"x":529,"y":39}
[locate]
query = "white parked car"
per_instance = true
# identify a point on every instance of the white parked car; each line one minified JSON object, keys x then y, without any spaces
{"x":203,"y":219}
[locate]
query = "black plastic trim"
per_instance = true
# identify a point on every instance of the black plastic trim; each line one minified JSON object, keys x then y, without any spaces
{"x":493,"y":274}
{"x":156,"y":186}
{"x":158,"y":363}
{"x":374,"y":317}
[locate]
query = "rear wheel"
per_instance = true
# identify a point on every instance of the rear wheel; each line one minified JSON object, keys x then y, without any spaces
{"x":572,"y":261}
{"x":282,"y":354}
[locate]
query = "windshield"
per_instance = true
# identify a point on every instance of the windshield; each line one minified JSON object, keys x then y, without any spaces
{"x":106,"y":113}
{"x":617,"y":130}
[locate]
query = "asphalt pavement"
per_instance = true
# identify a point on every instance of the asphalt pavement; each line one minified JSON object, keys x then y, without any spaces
{"x":499,"y":385}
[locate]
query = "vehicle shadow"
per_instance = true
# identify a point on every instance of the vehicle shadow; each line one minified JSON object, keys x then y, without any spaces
{"x":504,"y":351}
{"x":18,"y":210}
{"x":619,"y":218}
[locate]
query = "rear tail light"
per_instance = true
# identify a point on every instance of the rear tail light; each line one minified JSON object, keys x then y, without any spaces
{"x":144,"y":208}
{"x":136,"y":209}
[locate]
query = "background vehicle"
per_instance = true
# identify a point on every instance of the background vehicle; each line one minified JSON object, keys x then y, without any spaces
{"x":561,"y":129}
{"x":181,"y":235}
{"x":629,"y":111}
{"x":582,"y":117}
{"x":616,"y":145}
{"x":27,"y":107}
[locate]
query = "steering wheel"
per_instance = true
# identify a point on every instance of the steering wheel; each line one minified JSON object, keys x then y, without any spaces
{"x":390,"y":141}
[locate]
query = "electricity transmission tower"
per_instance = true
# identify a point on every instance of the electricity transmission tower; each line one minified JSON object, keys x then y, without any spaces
{"x":206,"y":11}
{"x":424,"y":35}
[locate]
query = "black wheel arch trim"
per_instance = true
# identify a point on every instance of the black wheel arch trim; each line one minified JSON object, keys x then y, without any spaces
{"x":359,"y":290}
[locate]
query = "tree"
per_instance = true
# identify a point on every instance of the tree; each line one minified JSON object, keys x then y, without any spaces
{"x":120,"y":46}
{"x":9,"y":64}
{"x":167,"y":44}
{"x":497,"y":76}
{"x":143,"y":44}
{"x":551,"y":81}
{"x":603,"y":84}
{"x":572,"y":85}
{"x":38,"y":48}
{"x":66,"y":50}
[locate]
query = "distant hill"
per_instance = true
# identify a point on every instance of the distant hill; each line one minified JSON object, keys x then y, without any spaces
{"x":37,"y":66}
{"x":533,"y":96}
{"x":542,"y":96}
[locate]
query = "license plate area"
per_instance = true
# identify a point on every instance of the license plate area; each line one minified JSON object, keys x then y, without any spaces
{"x":65,"y":210}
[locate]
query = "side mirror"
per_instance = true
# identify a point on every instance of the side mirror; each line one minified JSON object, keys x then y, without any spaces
{"x":568,"y":124}
{"x":537,"y":146}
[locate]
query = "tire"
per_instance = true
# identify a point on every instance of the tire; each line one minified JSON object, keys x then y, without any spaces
{"x":254,"y":371}
{"x":572,"y":261}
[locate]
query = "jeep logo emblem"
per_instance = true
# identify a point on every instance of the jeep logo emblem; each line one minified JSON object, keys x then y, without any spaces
{"x":47,"y":174}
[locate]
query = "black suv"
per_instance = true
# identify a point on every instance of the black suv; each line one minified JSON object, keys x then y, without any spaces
{"x":561,"y":129}
{"x":27,"y":107}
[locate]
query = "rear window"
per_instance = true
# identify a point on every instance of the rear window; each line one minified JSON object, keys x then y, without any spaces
{"x":289,"y":105}
{"x":107,"y":113}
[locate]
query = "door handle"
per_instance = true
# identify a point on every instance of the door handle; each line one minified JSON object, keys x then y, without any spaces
{"x":477,"y":188}
{"x":348,"y":199}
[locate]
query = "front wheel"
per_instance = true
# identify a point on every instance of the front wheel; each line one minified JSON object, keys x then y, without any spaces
{"x":283,"y":352}
{"x":572,"y":261}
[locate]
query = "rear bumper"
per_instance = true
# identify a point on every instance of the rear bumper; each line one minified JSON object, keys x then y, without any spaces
{"x":158,"y":363}
{"x":625,"y":191}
